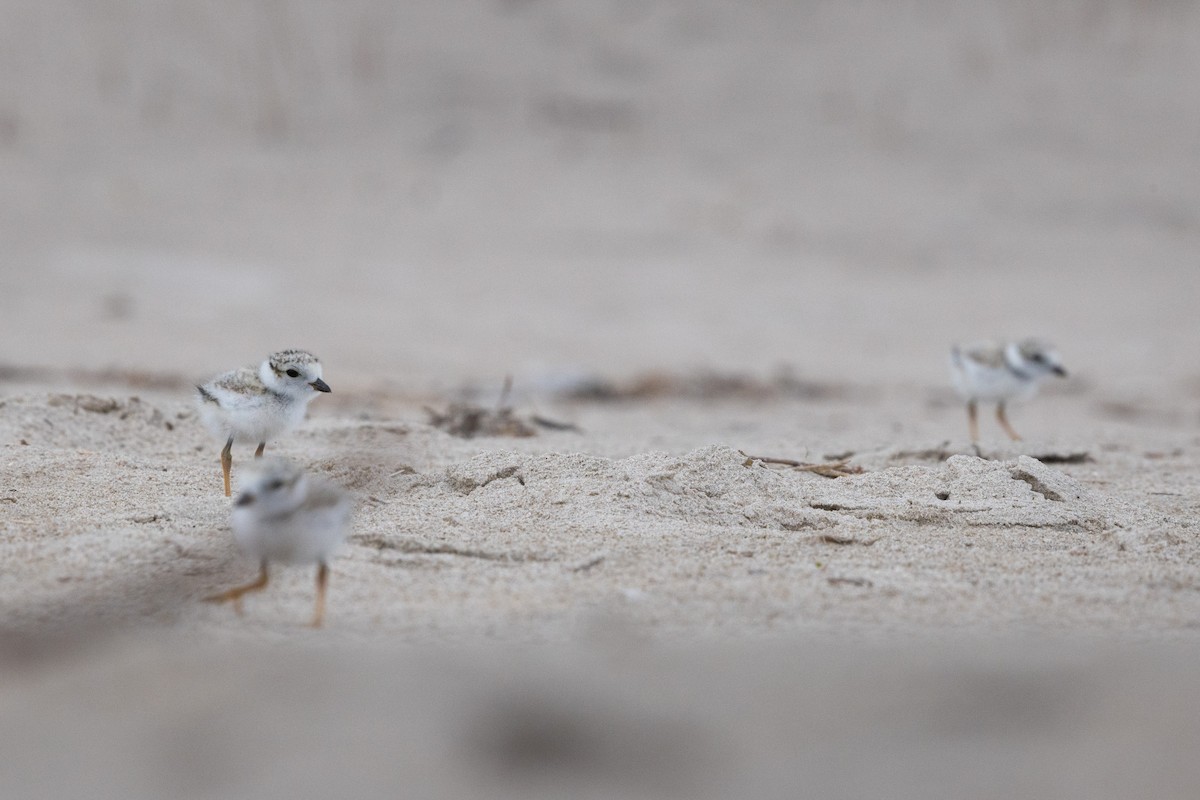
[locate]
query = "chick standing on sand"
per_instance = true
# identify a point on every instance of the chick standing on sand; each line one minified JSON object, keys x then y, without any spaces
{"x":1000,"y":372}
{"x":257,"y":405}
{"x":286,"y":516}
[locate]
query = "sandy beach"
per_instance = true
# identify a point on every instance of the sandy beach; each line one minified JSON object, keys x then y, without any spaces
{"x":663,"y":249}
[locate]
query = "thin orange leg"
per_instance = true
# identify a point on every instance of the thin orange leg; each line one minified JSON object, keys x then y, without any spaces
{"x":261,"y":446}
{"x":235,"y":594}
{"x":322,"y":582}
{"x":973,"y":420}
{"x":227,"y":462}
{"x":1000,"y":415}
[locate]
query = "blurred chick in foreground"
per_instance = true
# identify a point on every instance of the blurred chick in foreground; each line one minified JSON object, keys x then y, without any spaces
{"x":286,"y":516}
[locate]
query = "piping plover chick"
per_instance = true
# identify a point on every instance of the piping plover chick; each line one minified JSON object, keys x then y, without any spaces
{"x":997,"y":372}
{"x":257,"y":405}
{"x":286,"y":516}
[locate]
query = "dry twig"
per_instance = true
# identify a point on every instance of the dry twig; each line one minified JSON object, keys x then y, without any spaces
{"x":833,"y":538}
{"x":830,"y":469}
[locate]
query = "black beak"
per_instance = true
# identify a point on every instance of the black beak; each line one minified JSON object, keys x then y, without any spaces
{"x":320,"y":385}
{"x":1059,"y":371}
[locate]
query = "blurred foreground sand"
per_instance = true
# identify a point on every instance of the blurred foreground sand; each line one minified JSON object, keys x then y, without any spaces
{"x":605,"y":720}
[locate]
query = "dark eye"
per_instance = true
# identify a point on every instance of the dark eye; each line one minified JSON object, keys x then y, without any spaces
{"x":275,"y":485}
{"x":291,"y":373}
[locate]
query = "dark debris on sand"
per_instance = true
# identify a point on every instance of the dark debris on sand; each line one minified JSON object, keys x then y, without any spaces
{"x":468,"y":420}
{"x":705,"y":385}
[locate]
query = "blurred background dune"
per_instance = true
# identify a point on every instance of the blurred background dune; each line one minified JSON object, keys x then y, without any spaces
{"x":424,"y":192}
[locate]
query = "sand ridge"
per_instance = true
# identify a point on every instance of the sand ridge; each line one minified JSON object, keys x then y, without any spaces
{"x":453,"y":535}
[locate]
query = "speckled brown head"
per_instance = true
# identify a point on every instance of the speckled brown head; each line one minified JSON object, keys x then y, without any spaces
{"x":293,"y":372}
